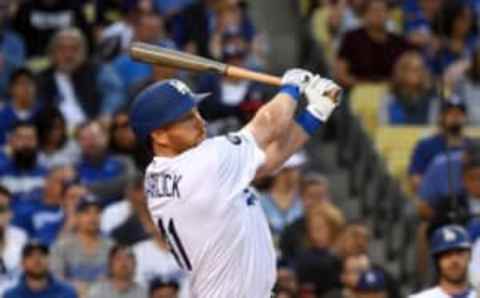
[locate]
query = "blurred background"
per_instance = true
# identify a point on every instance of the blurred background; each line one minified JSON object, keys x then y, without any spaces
{"x":399,"y":159}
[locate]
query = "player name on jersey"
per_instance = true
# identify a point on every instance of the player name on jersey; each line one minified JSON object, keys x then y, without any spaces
{"x":160,"y":185}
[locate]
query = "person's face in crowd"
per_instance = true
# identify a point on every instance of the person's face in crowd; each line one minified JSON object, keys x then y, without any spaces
{"x":355,"y":240}
{"x":165,"y":292}
{"x":376,"y":14}
{"x":149,"y":28}
{"x":471,"y":180}
{"x":68,"y":53}
{"x":89,"y":220}
{"x":23,"y":91}
{"x":453,"y":266}
{"x":5,"y":213}
{"x":454,"y":121}
{"x":35,"y":265}
{"x":123,"y":265}
{"x":314,"y":193}
{"x":286,"y":279}
{"x":93,"y":140}
{"x":123,"y":135}
{"x":413,"y":73}
{"x":56,"y":183}
{"x":353,"y":266}
{"x":462,"y":23}
{"x":24,"y":144}
{"x":319,"y":231}
{"x":182,"y":135}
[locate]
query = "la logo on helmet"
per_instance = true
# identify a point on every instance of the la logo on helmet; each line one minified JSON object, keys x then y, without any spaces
{"x":181,"y":87}
{"x":449,"y":235}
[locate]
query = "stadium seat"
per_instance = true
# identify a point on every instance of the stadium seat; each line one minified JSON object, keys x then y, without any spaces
{"x":365,"y":102}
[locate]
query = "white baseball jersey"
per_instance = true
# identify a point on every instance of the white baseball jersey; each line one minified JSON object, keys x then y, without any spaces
{"x":436,"y":292}
{"x":214,"y":223}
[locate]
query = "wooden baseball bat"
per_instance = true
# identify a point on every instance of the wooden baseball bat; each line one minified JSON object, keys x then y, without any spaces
{"x":157,"y":55}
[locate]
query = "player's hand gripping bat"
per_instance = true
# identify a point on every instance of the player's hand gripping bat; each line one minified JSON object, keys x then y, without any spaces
{"x":176,"y":59}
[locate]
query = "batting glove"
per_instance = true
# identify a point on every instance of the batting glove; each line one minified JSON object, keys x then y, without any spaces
{"x":297,"y":77}
{"x":323,"y":97}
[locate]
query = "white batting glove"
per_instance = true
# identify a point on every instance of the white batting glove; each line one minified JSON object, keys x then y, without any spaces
{"x":297,"y":77}
{"x":318,"y":93}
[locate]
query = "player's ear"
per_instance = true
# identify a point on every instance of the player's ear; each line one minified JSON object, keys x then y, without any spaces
{"x":159,"y":137}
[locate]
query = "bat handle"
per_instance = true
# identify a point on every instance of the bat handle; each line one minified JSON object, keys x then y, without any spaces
{"x":241,"y":73}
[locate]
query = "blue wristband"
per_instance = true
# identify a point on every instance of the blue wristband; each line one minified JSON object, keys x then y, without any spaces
{"x":292,"y":90}
{"x":308,"y":122}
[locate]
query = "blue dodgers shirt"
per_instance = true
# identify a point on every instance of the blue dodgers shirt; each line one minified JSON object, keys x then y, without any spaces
{"x":444,"y":172}
{"x":8,"y":117}
{"x":55,"y":288}
{"x":42,"y":222}
{"x":426,"y":150}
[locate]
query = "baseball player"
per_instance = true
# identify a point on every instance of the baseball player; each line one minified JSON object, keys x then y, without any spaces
{"x":450,"y":248}
{"x":197,"y":189}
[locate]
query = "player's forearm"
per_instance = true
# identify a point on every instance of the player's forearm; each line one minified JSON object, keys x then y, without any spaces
{"x":273,"y":119}
{"x":282,"y":148}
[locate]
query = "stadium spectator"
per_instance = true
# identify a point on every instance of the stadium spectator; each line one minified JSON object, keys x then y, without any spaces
{"x":120,"y":282}
{"x":194,"y":27}
{"x":314,"y":192}
{"x":37,"y":281}
{"x":353,"y":240}
{"x":22,"y":104}
{"x":82,"y":257}
{"x":79,"y":87}
{"x":467,"y":86}
{"x":449,"y":138}
{"x":163,"y":289}
{"x":371,"y":284}
{"x":13,"y":240}
{"x":282,"y":204}
{"x":418,"y":25}
{"x":231,"y":98}
{"x":121,"y":222}
{"x":369,"y":53}
{"x":286,"y":279}
{"x":37,"y":21}
{"x":147,"y":28}
{"x":352,"y":266}
{"x":44,"y":219}
{"x":317,"y":263}
{"x":56,"y":147}
{"x":123,"y":142}
{"x":455,"y":26}
{"x":102,"y":173}
{"x":444,"y":178}
{"x":12,"y":49}
{"x":21,"y":174}
{"x":409,"y":101}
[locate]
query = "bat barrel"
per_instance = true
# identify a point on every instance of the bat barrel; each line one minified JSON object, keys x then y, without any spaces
{"x":161,"y":56}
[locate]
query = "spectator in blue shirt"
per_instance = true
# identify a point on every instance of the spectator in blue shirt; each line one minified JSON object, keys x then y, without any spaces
{"x":450,"y":138}
{"x":12,"y":51}
{"x":44,"y":219}
{"x":148,"y":28}
{"x":37,"y":281}
{"x":22,"y":104}
{"x":102,"y":173}
{"x":21,"y":174}
{"x":411,"y":96}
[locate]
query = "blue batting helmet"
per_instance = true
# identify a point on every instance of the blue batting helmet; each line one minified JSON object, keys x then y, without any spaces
{"x":160,"y":104}
{"x":447,"y":238}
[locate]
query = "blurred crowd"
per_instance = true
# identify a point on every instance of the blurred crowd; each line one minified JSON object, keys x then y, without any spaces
{"x":71,"y":169}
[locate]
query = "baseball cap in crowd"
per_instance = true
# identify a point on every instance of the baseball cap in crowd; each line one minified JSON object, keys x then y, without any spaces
{"x":87,"y":201}
{"x":372,"y":280}
{"x":160,"y":104}
{"x":453,"y":101}
{"x":32,"y":246}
